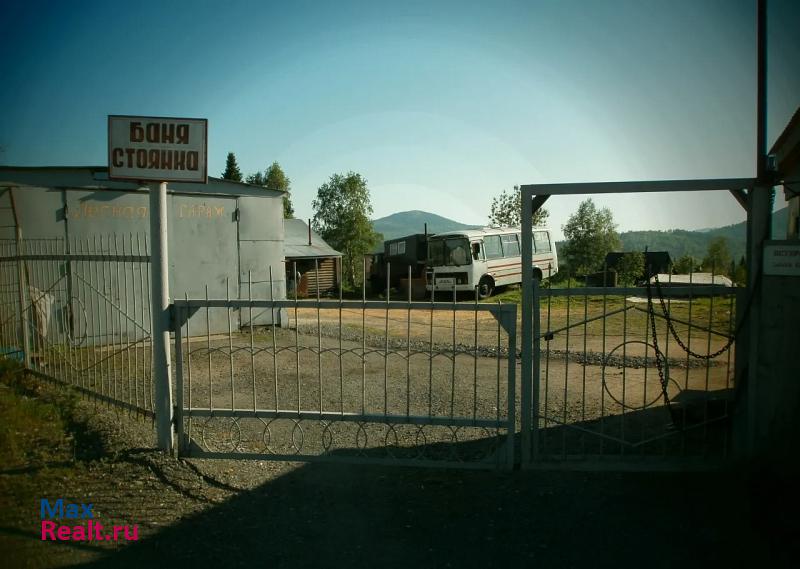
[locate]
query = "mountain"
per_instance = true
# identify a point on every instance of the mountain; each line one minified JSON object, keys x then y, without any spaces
{"x":410,"y":222}
{"x":680,"y":242}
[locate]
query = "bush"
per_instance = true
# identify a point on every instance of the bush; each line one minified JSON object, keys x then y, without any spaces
{"x":630,"y":268}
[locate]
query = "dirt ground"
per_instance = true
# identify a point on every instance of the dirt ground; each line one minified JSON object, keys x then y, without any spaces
{"x":245,"y":513}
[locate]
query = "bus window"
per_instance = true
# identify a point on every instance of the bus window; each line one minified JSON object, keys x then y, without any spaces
{"x":453,"y":251}
{"x":510,"y":245}
{"x":541,"y":241}
{"x":492,"y":247}
{"x":476,"y":252}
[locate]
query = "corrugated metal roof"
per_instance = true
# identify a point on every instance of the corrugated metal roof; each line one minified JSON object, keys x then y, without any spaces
{"x":96,"y":178}
{"x":295,"y":244}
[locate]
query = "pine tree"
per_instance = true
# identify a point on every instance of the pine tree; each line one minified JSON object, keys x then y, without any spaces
{"x":232,"y":171}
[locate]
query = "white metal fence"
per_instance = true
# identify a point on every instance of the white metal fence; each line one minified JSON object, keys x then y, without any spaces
{"x":356,"y":380}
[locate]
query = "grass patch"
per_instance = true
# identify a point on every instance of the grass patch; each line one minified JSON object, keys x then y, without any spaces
{"x":39,"y":425}
{"x":32,"y":431}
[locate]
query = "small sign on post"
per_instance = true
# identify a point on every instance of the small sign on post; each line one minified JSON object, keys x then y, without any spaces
{"x":782,"y":258}
{"x":160,"y":149}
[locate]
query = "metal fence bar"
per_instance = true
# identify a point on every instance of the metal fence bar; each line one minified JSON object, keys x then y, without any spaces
{"x":337,"y":416}
{"x":511,"y":326}
{"x":532,"y":382}
{"x":230,"y":344}
{"x":148,"y":304}
{"x":566,"y":376}
{"x":297,"y":343}
{"x":185,"y":310}
{"x":273,"y":321}
{"x":408,"y":348}
{"x":624,"y":370}
{"x":177,"y":326}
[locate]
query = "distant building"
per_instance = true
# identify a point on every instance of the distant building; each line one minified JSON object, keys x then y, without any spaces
{"x":699,"y":279}
{"x":654,"y":262}
{"x":786,"y":151}
{"x":403,"y":256}
{"x":312,"y":266}
{"x":224,"y":237}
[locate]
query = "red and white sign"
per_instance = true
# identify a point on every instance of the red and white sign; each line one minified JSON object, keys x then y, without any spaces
{"x":160,"y":149}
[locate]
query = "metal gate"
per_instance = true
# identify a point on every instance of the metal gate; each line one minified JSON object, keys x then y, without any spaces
{"x":353,"y":380}
{"x":79,"y":310}
{"x":630,"y":376}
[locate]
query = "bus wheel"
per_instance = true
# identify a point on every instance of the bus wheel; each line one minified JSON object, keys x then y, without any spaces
{"x":485,"y":287}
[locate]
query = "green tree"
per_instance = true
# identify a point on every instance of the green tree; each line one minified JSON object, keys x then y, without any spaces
{"x":232,"y":171}
{"x":630,"y":268}
{"x":739,"y":275}
{"x":506,"y":210}
{"x":342,"y":212}
{"x":685,"y":265}
{"x":718,"y":257}
{"x":591,"y":234}
{"x":274,"y":179}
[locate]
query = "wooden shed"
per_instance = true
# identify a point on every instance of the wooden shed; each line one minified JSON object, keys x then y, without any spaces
{"x":311,"y":264}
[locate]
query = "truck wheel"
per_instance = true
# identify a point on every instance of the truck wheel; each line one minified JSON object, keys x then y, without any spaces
{"x":485,"y":287}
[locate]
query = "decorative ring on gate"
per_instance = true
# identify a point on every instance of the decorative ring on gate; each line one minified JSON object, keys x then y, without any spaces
{"x":266,"y":436}
{"x":215,"y":448}
{"x":421,"y":448}
{"x":488,"y":437}
{"x":660,"y":392}
{"x":386,"y":445}
{"x":327,"y":435}
{"x":237,"y":442}
{"x":297,"y":428}
{"x":452,"y":450}
{"x":361,"y":448}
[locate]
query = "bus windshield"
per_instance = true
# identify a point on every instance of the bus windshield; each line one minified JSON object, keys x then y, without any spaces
{"x":449,"y":252}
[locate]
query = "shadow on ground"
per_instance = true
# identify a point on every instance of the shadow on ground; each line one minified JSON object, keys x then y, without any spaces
{"x":335,"y":515}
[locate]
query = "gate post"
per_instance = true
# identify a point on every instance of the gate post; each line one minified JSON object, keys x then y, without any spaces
{"x":159,"y":282}
{"x":527,"y":320}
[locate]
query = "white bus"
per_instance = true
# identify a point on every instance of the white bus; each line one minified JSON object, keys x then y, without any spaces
{"x":485,"y":258}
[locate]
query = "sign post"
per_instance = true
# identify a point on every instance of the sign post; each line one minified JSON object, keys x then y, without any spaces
{"x":160,"y":150}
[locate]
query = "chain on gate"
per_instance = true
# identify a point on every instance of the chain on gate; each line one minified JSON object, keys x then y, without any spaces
{"x":651,"y":313}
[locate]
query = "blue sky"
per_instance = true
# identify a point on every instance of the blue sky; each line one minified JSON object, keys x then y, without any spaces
{"x":440,"y":105}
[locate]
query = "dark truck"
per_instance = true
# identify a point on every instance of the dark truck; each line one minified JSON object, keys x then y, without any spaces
{"x":398,"y":255}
